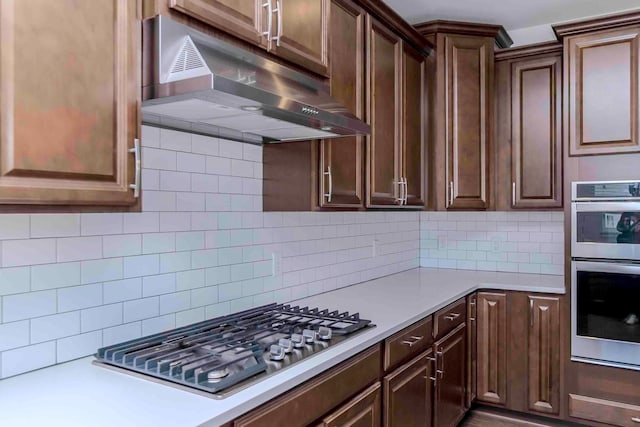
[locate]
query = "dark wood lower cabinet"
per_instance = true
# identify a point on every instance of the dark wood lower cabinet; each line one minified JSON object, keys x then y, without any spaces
{"x":472,"y":341}
{"x":492,"y":347}
{"x":450,"y":355}
{"x":362,"y":411}
{"x":408,"y":393}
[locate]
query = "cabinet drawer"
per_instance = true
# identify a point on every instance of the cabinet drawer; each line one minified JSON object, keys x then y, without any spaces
{"x":408,"y":343}
{"x":446,"y":319}
{"x":318,"y":396}
{"x":604,"y":411}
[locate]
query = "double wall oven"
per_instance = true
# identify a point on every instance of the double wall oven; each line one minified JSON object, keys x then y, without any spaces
{"x":605,"y":273}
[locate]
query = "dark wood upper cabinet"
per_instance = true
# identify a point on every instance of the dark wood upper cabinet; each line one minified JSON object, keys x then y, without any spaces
{"x":413,"y":148}
{"x":544,"y":354}
{"x":529,"y":127}
{"x":364,"y":410}
{"x":492,"y":347}
{"x":408,"y":393}
{"x":244,"y":19}
{"x":70,"y":92}
{"x":461,"y":113}
{"x":469,"y":66}
{"x":601,"y":90}
{"x":450,"y":354}
{"x":300,"y":31}
{"x":295,"y":30}
{"x":342,"y":160}
{"x":384,"y":56}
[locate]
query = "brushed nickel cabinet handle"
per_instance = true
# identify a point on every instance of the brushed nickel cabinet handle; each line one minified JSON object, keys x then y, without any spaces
{"x":452,"y":316}
{"x":329,"y":194}
{"x":278,"y":11}
{"x":513,"y":194}
{"x":267,"y":33}
{"x":414,"y":340}
{"x":406,"y":190}
{"x":450,"y":193}
{"x":136,"y":153}
{"x":440,"y":372}
{"x":531,"y":313}
{"x":635,"y":419}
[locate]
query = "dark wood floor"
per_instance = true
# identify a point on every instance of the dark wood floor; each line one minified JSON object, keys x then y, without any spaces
{"x":482,"y":419}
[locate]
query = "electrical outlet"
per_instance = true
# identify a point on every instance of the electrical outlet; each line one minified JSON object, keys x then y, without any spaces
{"x":276,"y":264}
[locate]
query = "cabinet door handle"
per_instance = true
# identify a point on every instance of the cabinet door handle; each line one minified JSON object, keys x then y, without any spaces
{"x":531,"y":313}
{"x":440,"y":372}
{"x":635,"y":419}
{"x":472,"y":303}
{"x":267,"y":33}
{"x":406,"y":190}
{"x":329,"y":194}
{"x":450,"y":193}
{"x":433,"y":378}
{"x":399,"y":199}
{"x":513,"y":193}
{"x":136,"y":154}
{"x":414,"y":340}
{"x":278,"y":11}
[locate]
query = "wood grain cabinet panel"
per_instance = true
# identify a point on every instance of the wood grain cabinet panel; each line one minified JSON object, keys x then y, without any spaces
{"x":408,"y":393}
{"x":413,"y":111}
{"x":302,"y":29}
{"x":242,"y":18}
{"x":469,"y":71}
{"x":544,"y":354}
{"x":492,"y":347}
{"x":69,"y":98}
{"x":342,"y":159}
{"x":383,"y":94}
{"x":472,"y":341}
{"x":536,"y":142}
{"x":450,"y":354}
{"x":602,"y":92}
{"x":362,"y":411}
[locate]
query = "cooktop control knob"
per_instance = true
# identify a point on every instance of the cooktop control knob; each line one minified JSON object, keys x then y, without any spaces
{"x":324,"y":333}
{"x":298,"y":340}
{"x":276,"y":352}
{"x":309,"y":335}
{"x":286,"y":344}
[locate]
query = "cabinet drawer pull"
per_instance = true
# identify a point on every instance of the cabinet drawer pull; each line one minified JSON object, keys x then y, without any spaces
{"x":414,"y":340}
{"x":136,"y":154}
{"x":452,"y":316}
{"x":635,"y":419}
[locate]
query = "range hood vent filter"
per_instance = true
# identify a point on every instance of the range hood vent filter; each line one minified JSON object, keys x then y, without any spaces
{"x":188,"y":63}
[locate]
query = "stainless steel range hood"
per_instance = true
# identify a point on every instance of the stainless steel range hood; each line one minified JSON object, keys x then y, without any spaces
{"x":202,"y":84}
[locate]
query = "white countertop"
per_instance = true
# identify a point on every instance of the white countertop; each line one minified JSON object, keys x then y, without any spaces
{"x":79,"y":393}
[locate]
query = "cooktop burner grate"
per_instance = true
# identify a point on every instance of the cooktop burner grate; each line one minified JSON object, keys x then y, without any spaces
{"x":217,"y":354}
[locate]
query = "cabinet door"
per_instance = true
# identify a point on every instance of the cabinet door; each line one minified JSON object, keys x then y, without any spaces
{"x":342,"y":159}
{"x":301,"y":33}
{"x":413,"y":119}
{"x":241,"y":18}
{"x":536,"y":139}
{"x":449,"y":403}
{"x":544,"y":354}
{"x":69,"y":99}
{"x":408,"y":393}
{"x":492,"y":347}
{"x":468,"y":81}
{"x":383,"y":111}
{"x":362,"y":411}
{"x":602,"y":99}
{"x":472,"y":340}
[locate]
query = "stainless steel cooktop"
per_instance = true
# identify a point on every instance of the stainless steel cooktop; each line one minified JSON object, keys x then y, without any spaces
{"x":223,"y":355}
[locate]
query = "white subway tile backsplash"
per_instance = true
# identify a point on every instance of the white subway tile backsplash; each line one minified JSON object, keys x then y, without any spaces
{"x":16,"y":253}
{"x":53,"y":327}
{"x":14,"y":280}
{"x":121,"y":245}
{"x":14,"y":335}
{"x":79,"y":297}
{"x":79,"y":248}
{"x":29,"y":358}
{"x":200,"y":248}
{"x":55,"y":225}
{"x":28,"y":305}
{"x":78,"y":346}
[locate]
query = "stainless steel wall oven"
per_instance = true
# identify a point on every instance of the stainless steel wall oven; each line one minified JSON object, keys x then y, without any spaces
{"x":605,"y":273}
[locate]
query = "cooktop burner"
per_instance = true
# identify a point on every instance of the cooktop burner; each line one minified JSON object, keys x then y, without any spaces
{"x":225,"y":354}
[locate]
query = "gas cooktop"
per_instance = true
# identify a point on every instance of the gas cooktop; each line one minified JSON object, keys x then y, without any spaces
{"x":223,"y":355}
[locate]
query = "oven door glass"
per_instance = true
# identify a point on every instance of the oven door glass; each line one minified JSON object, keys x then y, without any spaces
{"x":606,"y":230}
{"x":608,"y":305}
